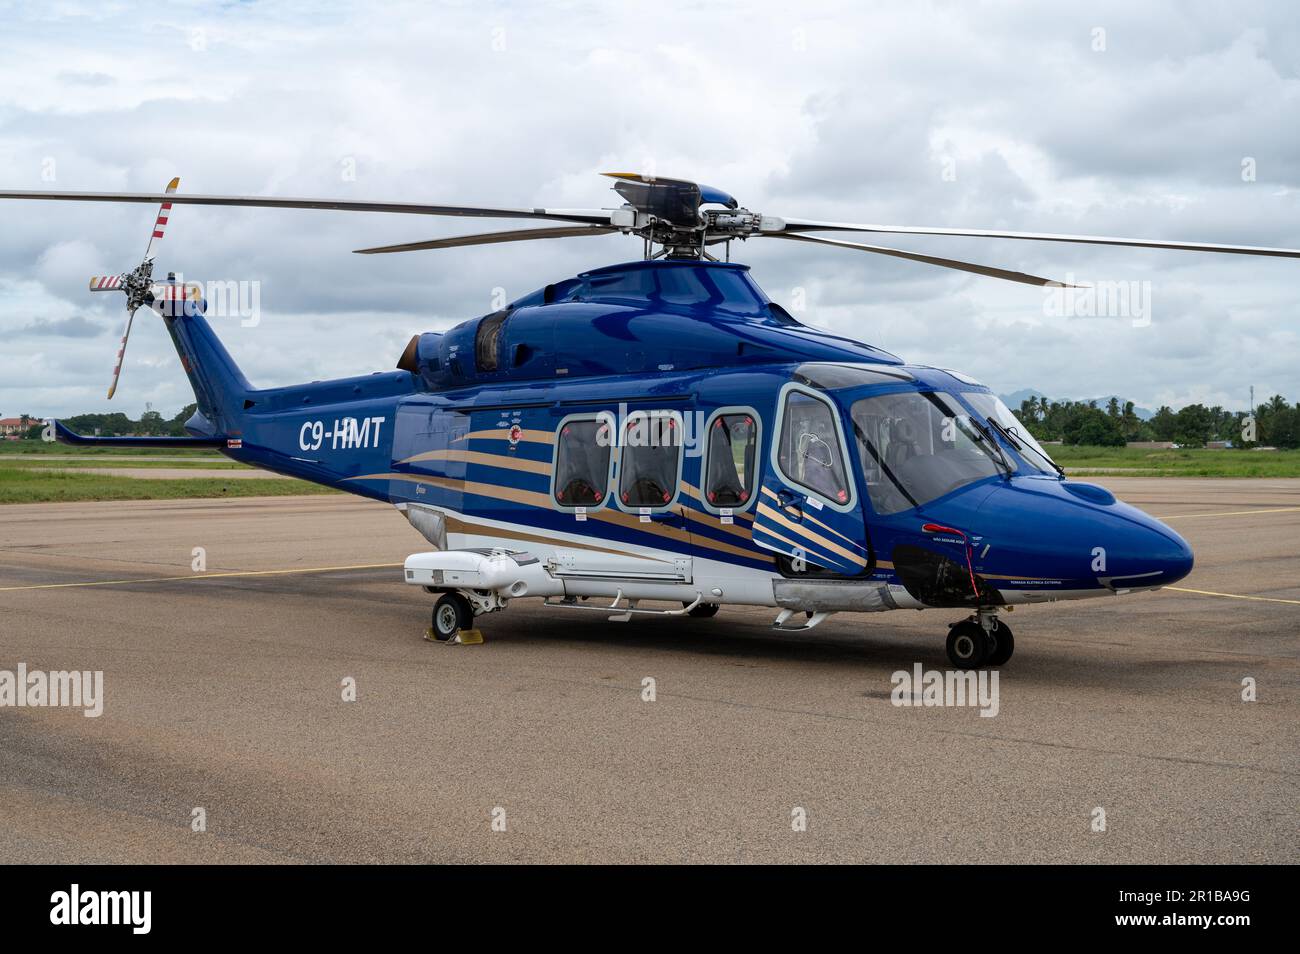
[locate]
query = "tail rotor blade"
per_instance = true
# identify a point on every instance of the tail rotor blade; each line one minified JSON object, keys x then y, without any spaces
{"x":160,"y":224}
{"x":121,"y":350}
{"x":106,"y":283}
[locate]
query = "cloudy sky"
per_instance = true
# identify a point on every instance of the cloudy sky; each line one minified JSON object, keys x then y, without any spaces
{"x":1161,"y":120}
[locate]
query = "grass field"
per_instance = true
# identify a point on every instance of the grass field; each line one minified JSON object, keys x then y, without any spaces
{"x":24,"y":485}
{"x":1198,"y":462}
{"x":27,"y":474}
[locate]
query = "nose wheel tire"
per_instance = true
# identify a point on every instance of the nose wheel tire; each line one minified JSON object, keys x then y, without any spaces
{"x":451,"y":614}
{"x":703,"y":611}
{"x":1004,"y":644}
{"x":968,"y":645}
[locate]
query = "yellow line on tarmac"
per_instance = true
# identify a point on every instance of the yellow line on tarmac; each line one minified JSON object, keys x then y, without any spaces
{"x":205,"y":576}
{"x":1233,"y":596}
{"x":1230,"y":513}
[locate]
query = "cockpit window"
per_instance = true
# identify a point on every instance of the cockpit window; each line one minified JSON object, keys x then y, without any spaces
{"x":992,"y":407}
{"x":809,"y":453}
{"x":917,"y":446}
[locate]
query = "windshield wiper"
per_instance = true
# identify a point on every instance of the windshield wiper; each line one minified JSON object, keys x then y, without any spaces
{"x":986,"y":435}
{"x":1020,"y":445}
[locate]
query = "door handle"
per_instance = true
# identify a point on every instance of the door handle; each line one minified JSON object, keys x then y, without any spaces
{"x":788,"y":500}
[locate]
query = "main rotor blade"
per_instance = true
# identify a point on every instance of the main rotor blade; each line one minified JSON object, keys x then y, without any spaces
{"x":988,"y":270}
{"x":160,"y":224}
{"x":121,"y":350}
{"x":591,"y":216}
{"x":802,"y":225}
{"x":491,"y":238}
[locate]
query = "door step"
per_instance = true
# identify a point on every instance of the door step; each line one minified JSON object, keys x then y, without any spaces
{"x":622,"y":613}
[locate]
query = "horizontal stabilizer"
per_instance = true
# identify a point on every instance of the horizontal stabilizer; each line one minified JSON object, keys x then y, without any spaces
{"x":66,"y":436}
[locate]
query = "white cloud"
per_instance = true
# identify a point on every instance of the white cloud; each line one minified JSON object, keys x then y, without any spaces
{"x":822,"y":110}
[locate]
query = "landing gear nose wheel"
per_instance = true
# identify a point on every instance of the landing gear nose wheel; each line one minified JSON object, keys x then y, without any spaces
{"x":1004,"y":644}
{"x":968,"y":645}
{"x":451,"y":614}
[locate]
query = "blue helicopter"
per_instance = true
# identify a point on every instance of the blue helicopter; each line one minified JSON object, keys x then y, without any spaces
{"x":661,"y":431}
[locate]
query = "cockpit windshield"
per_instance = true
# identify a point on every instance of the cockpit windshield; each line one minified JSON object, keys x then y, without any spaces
{"x":917,"y":446}
{"x":992,"y":407}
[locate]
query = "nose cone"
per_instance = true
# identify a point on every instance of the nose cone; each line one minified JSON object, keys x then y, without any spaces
{"x":1168,"y":553}
{"x":1059,"y":532}
{"x":1145,"y":553}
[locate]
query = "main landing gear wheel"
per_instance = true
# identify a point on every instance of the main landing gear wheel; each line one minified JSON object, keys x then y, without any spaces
{"x":703,"y":611}
{"x":968,"y":645}
{"x":451,"y":614}
{"x":1004,"y":644}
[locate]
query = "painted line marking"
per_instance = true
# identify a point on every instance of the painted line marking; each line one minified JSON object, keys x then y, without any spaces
{"x":1230,"y":513}
{"x":1233,"y":596}
{"x":205,"y":576}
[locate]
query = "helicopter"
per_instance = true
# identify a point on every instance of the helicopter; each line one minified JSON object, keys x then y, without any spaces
{"x":662,"y":432}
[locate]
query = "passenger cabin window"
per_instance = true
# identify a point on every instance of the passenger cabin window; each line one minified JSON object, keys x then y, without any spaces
{"x":729,"y":464}
{"x":649,"y":463}
{"x":582,"y":458}
{"x":809,"y":453}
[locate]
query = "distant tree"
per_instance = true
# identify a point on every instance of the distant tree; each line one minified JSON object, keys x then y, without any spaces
{"x":151,"y":423}
{"x":1130,"y":423}
{"x":1164,"y":423}
{"x":1194,"y":425}
{"x":1090,"y":425}
{"x":1029,"y":413}
{"x":176,"y":426}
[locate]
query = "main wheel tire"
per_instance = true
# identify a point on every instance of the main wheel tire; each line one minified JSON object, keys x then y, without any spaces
{"x":703,"y":611}
{"x":1004,"y":644}
{"x":451,"y":614}
{"x":968,"y":645}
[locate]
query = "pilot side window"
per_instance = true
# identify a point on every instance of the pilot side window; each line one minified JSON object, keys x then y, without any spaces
{"x":729,"y":464}
{"x":582,"y":459}
{"x":917,"y":446}
{"x":809,"y":452}
{"x":650,"y":459}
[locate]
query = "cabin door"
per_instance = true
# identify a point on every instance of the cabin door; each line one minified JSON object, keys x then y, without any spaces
{"x":810,"y":510}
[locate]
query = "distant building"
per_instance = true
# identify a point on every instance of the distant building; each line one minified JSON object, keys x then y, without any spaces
{"x":12,"y":428}
{"x":1151,"y":445}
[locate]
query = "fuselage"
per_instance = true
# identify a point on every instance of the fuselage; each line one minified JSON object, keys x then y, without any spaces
{"x":663,"y":430}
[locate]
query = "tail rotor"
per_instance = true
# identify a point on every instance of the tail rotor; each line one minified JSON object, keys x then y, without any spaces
{"x":137,"y":284}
